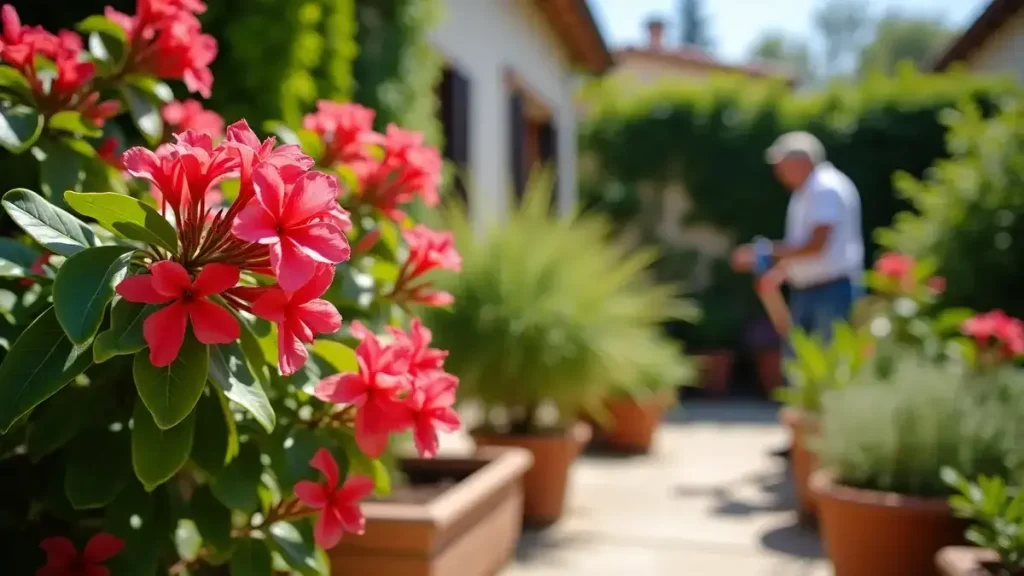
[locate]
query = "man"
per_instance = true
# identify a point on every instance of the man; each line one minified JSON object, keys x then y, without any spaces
{"x":822,"y":256}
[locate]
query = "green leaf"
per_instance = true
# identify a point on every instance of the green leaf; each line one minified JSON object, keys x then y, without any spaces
{"x":296,"y":549}
{"x":361,"y":464}
{"x":127,"y":217}
{"x":57,"y":421}
{"x":41,"y":362}
{"x":18,"y":253}
{"x":98,"y":467}
{"x":53,"y":228}
{"x":103,"y":25}
{"x":84,"y":286}
{"x":216,"y":428}
{"x":171,"y":392}
{"x":156,"y":89}
{"x":61,"y":168}
{"x":20,"y":126}
{"x":340,"y":357}
{"x":72,"y":121}
{"x":145,"y":113}
{"x":237,"y":485}
{"x":14,"y":83}
{"x":230,"y":371}
{"x":251,"y":558}
{"x":290,"y":455}
{"x":212,"y":519}
{"x":143,"y":521}
{"x":158,"y":454}
{"x":125,"y":333}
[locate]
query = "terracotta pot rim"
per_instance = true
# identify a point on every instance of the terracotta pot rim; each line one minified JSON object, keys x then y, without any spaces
{"x":794,"y":417}
{"x":660,"y":398}
{"x":579,"y":431}
{"x":823,"y":485}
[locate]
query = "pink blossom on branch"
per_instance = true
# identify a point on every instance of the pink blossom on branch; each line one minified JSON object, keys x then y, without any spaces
{"x":428,"y":251}
{"x":346,"y":129}
{"x":62,"y":559}
{"x":339,"y":507}
{"x":408,"y":169}
{"x":996,"y":330}
{"x":190,"y":115}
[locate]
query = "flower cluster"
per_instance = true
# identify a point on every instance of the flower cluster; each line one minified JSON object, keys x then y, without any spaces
{"x":165,"y":40}
{"x":898,"y":270}
{"x":285,"y":224}
{"x":429,"y":250}
{"x":392,"y":169}
{"x":62,"y":559}
{"x":338,"y":506}
{"x":997,"y":331}
{"x":400,"y":386}
{"x":190,"y":115}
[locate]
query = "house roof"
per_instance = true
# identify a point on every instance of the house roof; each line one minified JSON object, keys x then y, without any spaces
{"x":995,"y":15}
{"x":574,"y":24}
{"x":690,"y":58}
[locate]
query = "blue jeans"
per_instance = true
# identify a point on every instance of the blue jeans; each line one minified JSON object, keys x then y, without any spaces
{"x":816,"y":309}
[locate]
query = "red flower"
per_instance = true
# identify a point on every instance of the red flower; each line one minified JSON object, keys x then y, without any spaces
{"x":423,"y":358}
{"x":346,"y":130}
{"x":98,"y":112}
{"x":408,"y":169}
{"x":996,"y":327}
{"x":299,"y":316}
{"x":428,"y":251}
{"x":894,"y":266}
{"x":190,"y":115}
{"x":937,"y":284}
{"x":374,"y":390}
{"x":62,"y":559}
{"x":72,"y":75}
{"x":243,"y":143}
{"x":168,"y":281}
{"x":298,"y":222}
{"x":160,"y":168}
{"x":37,"y":268}
{"x":339,"y":507}
{"x":431,"y":402}
{"x":21,"y":43}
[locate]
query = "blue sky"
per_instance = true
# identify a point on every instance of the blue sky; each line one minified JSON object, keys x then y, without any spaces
{"x":736,"y":24}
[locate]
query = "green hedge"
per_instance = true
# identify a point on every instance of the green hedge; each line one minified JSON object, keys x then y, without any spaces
{"x":711,"y":136}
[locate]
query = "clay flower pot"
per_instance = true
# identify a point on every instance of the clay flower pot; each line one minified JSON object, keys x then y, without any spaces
{"x":769,"y":370}
{"x":633,"y":421}
{"x":457,"y":517}
{"x":716,"y":371}
{"x":546,"y":482}
{"x":882,"y":533}
{"x":969,"y":561}
{"x":803,"y":461}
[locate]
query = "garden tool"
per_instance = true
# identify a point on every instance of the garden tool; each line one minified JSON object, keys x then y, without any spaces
{"x":771,"y":297}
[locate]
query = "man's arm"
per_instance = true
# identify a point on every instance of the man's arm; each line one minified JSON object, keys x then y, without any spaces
{"x":825,"y":210}
{"x":815,"y":245}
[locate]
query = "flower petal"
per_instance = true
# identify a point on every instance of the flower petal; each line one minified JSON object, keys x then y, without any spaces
{"x":270,"y":190}
{"x":214,"y":279}
{"x":323,"y":275}
{"x":291,"y":353}
{"x":292,"y":267}
{"x":322,"y":242}
{"x":329,"y":529}
{"x":311,"y":494}
{"x":321,"y":316}
{"x":313,"y":193}
{"x":352,"y":519}
{"x":425,"y":438}
{"x":271,"y":305}
{"x":170,"y":278}
{"x":211,"y":323}
{"x":60,"y":551}
{"x":346,"y":388}
{"x":328,"y":466}
{"x":102,"y":547}
{"x":255,"y":224}
{"x":164,"y":331}
{"x":139,"y":289}
{"x":356,"y":488}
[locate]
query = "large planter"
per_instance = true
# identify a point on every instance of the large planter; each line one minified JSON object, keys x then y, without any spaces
{"x":633,"y":421}
{"x":545,"y":484}
{"x":457,"y":517}
{"x":969,"y":561}
{"x":803,"y":461}
{"x":716,"y":371}
{"x":882,"y":533}
{"x":769,"y":370}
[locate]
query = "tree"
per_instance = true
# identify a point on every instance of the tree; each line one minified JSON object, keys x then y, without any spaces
{"x":900,"y":37}
{"x":693,"y":25}
{"x":791,"y":54}
{"x":842,"y":25}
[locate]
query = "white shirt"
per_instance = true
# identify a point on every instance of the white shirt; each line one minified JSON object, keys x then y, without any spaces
{"x":827,"y":197}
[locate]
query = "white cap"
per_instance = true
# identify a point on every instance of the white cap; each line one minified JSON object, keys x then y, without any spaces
{"x":791,"y":143}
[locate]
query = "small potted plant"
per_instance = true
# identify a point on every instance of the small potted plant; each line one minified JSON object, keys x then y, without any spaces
{"x":716,"y":337}
{"x":881,"y":501}
{"x":996,"y":512}
{"x":535,"y":339}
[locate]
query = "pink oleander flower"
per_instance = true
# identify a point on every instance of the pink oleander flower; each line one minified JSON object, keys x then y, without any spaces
{"x":346,"y":130}
{"x":407,"y":170}
{"x":339,"y":507}
{"x":997,"y":330}
{"x":62,"y":559}
{"x":190,"y":115}
{"x":431,"y":402}
{"x":428,"y":251}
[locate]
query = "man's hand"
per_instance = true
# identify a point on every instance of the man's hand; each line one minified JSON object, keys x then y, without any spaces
{"x":742,"y":258}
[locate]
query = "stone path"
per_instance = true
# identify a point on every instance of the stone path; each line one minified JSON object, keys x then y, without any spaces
{"x":709,"y":501}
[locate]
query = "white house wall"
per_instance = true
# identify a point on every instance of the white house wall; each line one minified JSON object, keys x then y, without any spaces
{"x":483,"y":39}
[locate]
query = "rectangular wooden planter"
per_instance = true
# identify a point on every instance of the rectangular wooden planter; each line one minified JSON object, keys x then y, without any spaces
{"x":469,"y":529}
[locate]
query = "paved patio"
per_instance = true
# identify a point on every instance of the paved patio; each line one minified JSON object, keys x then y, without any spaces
{"x":708,"y":501}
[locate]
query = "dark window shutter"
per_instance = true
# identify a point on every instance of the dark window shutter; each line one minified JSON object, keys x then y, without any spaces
{"x":517,"y":143}
{"x":455,"y":118}
{"x":549,"y":155}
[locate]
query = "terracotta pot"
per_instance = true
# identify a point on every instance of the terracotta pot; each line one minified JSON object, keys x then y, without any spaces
{"x":968,"y":561}
{"x":545,"y":484}
{"x":803,"y":461}
{"x":769,"y":370}
{"x":469,"y":528}
{"x":716,"y":371}
{"x":882,"y":533}
{"x":633,"y":421}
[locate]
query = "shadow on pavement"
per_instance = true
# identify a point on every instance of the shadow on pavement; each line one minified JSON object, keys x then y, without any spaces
{"x":539,"y":546}
{"x":794,"y":540}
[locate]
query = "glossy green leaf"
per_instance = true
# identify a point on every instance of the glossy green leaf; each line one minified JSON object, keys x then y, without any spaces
{"x":251,"y":558}
{"x":57,"y":421}
{"x":237,"y":485}
{"x":158,"y":454}
{"x":103,"y":25}
{"x":297,"y":549}
{"x":230,"y":371}
{"x":84,"y":286}
{"x":73,"y":122}
{"x":16,"y":258}
{"x":98,"y":466}
{"x":361,"y":464}
{"x":14,"y":83}
{"x":145,"y":113}
{"x":20,"y":127}
{"x":340,"y":357}
{"x":212,"y":519}
{"x":125,"y":333}
{"x":171,"y":392}
{"x":61,"y":168}
{"x":41,"y":362}
{"x":216,"y":427}
{"x":142,"y":520}
{"x":291,"y":453}
{"x":156,"y":89}
{"x":53,"y":228}
{"x":127,"y":217}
